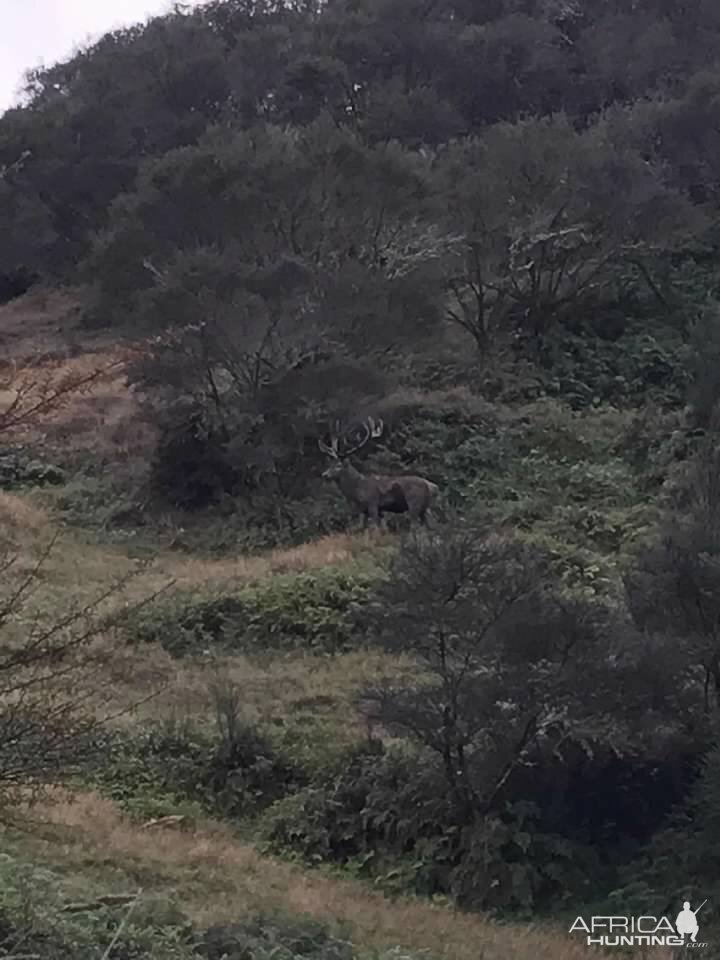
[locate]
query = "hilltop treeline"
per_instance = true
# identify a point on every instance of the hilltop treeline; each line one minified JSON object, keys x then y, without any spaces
{"x":290,"y":198}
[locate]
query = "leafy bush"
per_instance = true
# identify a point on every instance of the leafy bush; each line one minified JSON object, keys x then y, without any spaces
{"x":20,"y":469}
{"x":92,"y":501}
{"x":309,"y":610}
{"x":273,"y":937}
{"x":492,"y":452}
{"x":376,"y":806}
{"x":233,"y":772}
{"x":586,"y":370}
{"x":702,"y":361}
{"x":682,"y":861}
{"x":14,"y":283}
{"x":389,"y":816}
{"x":34,"y":923}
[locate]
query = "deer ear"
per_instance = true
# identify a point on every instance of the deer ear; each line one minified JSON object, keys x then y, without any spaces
{"x":376,"y":427}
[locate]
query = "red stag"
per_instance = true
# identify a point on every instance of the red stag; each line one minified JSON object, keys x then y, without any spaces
{"x":373,"y":495}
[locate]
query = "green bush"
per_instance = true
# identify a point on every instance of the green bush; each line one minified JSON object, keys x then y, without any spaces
{"x":586,"y":370}
{"x":389,"y":816}
{"x":34,"y":923}
{"x":375,"y":809}
{"x":287,"y":611}
{"x":18,"y":468}
{"x":273,"y":937}
{"x":232,"y":772}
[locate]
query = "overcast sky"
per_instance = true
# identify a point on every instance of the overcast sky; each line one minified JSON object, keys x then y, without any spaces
{"x":44,"y":31}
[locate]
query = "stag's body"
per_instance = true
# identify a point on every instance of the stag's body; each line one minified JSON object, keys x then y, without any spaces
{"x":373,"y":494}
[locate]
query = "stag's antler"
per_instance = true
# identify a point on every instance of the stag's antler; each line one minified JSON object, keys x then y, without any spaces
{"x":331,"y":449}
{"x":369,"y":429}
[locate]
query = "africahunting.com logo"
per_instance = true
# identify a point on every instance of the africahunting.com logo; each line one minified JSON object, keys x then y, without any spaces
{"x":644,"y":931}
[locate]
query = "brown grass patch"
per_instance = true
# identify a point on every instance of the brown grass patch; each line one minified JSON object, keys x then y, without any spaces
{"x":38,"y":323}
{"x":97,"y":415}
{"x":217,"y":879}
{"x":80,"y":569}
{"x":332,"y":550}
{"x":43,"y":348}
{"x":20,"y":516}
{"x":298,"y":692}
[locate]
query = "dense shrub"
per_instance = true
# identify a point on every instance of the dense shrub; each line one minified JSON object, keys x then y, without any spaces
{"x":33,"y":918}
{"x":584,"y":370}
{"x":524,"y":701}
{"x":375,"y":809}
{"x":233,"y":771}
{"x":15,"y":283}
{"x":273,"y":937}
{"x":308,"y":610}
{"x":389,"y":815}
{"x":18,"y":468}
{"x":499,"y":452}
{"x":682,"y":860}
{"x":34,"y":923}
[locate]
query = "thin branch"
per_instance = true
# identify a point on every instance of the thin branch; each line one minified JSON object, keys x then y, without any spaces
{"x":123,"y":924}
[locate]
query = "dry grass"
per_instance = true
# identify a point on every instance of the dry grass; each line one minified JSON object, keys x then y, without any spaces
{"x":80,"y":568}
{"x":301,"y":690}
{"x":40,"y":323}
{"x":217,"y":878}
{"x":101,"y":418}
{"x":333,"y":550}
{"x":42,"y":348}
{"x":20,"y":517}
{"x":298,"y":692}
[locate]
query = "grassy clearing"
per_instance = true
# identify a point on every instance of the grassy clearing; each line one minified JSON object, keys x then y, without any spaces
{"x":20,"y":517}
{"x":306,"y":701}
{"x":215,"y":878}
{"x":79,"y":567}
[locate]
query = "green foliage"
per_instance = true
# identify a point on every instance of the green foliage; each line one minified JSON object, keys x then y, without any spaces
{"x":232,"y":771}
{"x":636,"y":367}
{"x":702,"y":363}
{"x":32,"y":918}
{"x":93,"y":500}
{"x":286,"y":937}
{"x":273,"y":937}
{"x":21,"y":469}
{"x":309,"y":610}
{"x":387,"y":816}
{"x":544,"y":232}
{"x":373,"y":810}
{"x":392,"y":72}
{"x":542,"y":467}
{"x":512,"y":673}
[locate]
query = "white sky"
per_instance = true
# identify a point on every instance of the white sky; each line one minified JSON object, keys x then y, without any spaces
{"x":34,"y":32}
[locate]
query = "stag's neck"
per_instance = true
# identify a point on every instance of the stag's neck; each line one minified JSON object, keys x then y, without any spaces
{"x":349,"y":479}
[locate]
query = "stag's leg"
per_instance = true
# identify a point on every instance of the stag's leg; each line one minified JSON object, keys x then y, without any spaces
{"x":416,"y":512}
{"x":373,"y":515}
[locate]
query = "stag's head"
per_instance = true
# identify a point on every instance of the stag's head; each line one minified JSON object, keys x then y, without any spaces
{"x":334,"y":470}
{"x":344,"y":443}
